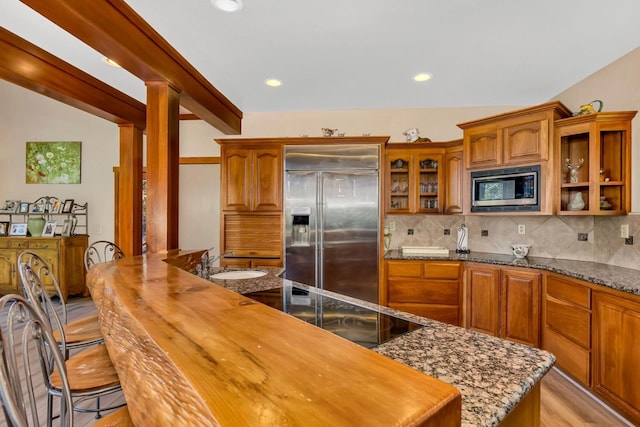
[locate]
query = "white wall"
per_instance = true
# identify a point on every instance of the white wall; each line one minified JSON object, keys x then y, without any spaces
{"x":29,"y":116}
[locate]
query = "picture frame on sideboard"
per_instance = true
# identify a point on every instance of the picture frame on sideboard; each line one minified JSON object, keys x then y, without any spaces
{"x":67,"y":206}
{"x":18,"y":229}
{"x":49,"y":229}
{"x":4,"y":228}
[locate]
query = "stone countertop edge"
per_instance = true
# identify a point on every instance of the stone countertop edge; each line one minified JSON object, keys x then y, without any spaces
{"x":492,"y":374}
{"x":619,"y":278}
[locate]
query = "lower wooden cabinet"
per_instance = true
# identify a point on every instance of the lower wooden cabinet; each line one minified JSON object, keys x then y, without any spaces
{"x":504,"y":302}
{"x":616,"y":352}
{"x":64,"y":254}
{"x":430,"y":289}
{"x":483,"y":299}
{"x":250,"y":262}
{"x":566,"y":321}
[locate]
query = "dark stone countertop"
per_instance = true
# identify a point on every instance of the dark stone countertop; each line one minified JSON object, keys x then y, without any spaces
{"x":619,"y":278}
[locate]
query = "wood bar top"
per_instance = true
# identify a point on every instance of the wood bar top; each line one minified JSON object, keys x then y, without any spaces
{"x":189,"y":352}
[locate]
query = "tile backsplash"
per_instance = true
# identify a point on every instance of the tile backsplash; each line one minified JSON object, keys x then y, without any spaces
{"x":549,"y":236}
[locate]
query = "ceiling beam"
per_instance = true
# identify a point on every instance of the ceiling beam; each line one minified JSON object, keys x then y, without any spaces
{"x":114,"y":29}
{"x":27,"y":65}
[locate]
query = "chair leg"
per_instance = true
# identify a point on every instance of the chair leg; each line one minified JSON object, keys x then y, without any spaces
{"x":49,"y":410}
{"x":98,"y":415}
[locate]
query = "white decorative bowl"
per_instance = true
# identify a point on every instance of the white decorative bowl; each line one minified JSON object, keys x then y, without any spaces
{"x":520,"y":251}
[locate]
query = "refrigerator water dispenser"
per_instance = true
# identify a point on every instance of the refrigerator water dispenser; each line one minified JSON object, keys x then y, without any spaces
{"x":300,"y":226}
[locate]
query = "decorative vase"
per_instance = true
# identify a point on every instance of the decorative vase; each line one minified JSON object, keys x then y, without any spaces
{"x":577,"y":203}
{"x":35,"y":225}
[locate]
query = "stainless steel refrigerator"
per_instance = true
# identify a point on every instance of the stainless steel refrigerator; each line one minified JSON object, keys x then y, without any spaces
{"x":332,"y":218}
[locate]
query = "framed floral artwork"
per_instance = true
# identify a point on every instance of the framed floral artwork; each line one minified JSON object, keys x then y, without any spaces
{"x":53,"y":162}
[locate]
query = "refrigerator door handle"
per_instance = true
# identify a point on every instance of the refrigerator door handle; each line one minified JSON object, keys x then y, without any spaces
{"x":320,"y":231}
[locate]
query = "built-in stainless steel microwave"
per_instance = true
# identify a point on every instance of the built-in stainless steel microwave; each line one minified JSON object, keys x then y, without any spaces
{"x":506,"y":190}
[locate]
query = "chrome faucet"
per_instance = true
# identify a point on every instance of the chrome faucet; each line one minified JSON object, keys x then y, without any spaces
{"x":217,"y":257}
{"x":206,"y":261}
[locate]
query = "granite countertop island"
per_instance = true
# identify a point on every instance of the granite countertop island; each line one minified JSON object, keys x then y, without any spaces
{"x":492,"y":374}
{"x":191,"y":353}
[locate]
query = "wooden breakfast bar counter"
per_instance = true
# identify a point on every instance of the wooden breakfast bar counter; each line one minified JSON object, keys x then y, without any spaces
{"x":189,"y":352}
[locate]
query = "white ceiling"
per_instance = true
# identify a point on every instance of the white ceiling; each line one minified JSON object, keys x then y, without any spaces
{"x":362,"y":54}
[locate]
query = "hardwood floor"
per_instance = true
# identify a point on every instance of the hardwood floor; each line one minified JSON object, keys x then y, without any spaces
{"x":563,"y":404}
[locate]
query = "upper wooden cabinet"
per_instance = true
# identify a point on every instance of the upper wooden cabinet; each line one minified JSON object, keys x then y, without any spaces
{"x":454,"y":178}
{"x":415,"y":177}
{"x":601,"y":143}
{"x":251,"y":178}
{"x":518,"y":137}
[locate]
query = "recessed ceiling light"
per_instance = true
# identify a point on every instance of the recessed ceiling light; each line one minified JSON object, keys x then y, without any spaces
{"x":111,"y":62}
{"x":273,"y":82}
{"x":422,"y":77}
{"x":228,"y":5}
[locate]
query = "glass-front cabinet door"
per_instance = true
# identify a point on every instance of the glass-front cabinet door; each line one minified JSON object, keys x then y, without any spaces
{"x":429,"y":182}
{"x":594,"y":171}
{"x":414,"y":179}
{"x":399,"y":177}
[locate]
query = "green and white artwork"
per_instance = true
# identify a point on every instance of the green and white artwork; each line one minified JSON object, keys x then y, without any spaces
{"x":53,"y":162}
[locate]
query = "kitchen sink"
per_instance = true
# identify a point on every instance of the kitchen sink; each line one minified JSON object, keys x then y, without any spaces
{"x":238,"y":274}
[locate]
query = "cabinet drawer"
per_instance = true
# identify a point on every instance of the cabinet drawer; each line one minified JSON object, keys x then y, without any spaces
{"x":441,"y":270}
{"x":567,"y":291}
{"x":43,"y":244}
{"x":427,"y":292}
{"x":19,"y":244}
{"x":570,"y":357}
{"x":404,"y":269}
{"x":572,"y":322}
{"x":446,"y":314}
{"x":5,"y":243}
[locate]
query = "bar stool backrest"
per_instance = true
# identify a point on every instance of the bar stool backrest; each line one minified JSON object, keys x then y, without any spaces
{"x":101,"y":251}
{"x":24,"y":332}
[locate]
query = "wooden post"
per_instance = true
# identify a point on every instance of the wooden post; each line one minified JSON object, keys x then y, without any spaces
{"x":163,"y":105}
{"x":128,"y":233}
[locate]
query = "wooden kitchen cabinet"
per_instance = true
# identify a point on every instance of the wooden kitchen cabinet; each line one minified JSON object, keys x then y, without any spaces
{"x":251,"y":178}
{"x":520,"y":306}
{"x":616,"y":347}
{"x":603,"y":142}
{"x":415,"y":177}
{"x":566,"y":320}
{"x":504,"y":302}
{"x":65,"y":256}
{"x":454,"y":180}
{"x":431,"y":289}
{"x":483,"y":298}
{"x":513,"y":138}
{"x":414,"y":180}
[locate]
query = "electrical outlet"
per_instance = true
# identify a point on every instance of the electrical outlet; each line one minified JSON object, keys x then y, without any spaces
{"x":410,"y":231}
{"x":521,"y":229}
{"x":447,"y":232}
{"x":583,"y":237}
{"x":484,"y":233}
{"x":392,"y":226}
{"x":624,"y":231}
{"x":628,"y":240}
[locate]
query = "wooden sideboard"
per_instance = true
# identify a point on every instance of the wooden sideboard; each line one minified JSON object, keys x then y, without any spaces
{"x":64,"y":255}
